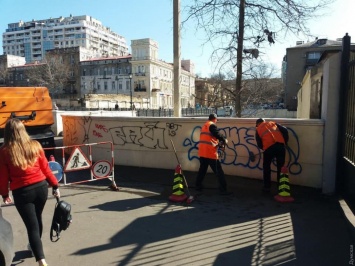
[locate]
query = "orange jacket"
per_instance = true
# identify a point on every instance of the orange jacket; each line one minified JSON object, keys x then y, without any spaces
{"x":269,"y":134}
{"x":207,"y":146}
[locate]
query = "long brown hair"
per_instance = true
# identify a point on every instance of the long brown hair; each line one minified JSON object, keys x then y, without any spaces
{"x":23,"y":151}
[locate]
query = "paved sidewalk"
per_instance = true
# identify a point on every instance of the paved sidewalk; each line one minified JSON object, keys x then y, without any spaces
{"x":139,"y":226}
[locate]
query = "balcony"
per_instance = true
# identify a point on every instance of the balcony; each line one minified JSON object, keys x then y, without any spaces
{"x":140,"y":74}
{"x":140,"y":88}
{"x":311,"y":62}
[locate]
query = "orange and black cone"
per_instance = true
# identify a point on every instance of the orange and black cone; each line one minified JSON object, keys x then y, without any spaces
{"x":178,"y":194}
{"x":284,"y":194}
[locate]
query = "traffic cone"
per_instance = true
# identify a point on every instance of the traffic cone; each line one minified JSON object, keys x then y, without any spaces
{"x":178,"y":187}
{"x":284,"y":194}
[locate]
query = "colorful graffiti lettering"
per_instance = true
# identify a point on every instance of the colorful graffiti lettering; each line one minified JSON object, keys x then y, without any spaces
{"x":241,"y":143}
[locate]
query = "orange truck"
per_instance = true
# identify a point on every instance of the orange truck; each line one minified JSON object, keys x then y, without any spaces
{"x":33,"y":106}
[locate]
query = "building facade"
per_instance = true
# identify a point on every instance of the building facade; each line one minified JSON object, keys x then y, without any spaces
{"x":153,"y":79}
{"x":6,"y":62}
{"x":110,"y":75}
{"x":298,"y":60}
{"x":33,"y":38}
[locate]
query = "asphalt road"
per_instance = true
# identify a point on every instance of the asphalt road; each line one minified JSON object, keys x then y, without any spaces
{"x":137,"y":225}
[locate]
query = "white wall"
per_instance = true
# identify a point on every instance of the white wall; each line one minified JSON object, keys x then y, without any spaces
{"x":146,"y":142}
{"x":304,"y":97}
{"x":57,"y":127}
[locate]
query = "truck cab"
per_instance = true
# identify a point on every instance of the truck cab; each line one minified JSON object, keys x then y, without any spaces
{"x":33,"y":106}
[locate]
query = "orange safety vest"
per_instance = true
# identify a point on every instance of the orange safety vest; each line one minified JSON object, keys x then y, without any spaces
{"x":207,"y":146}
{"x":269,"y":134}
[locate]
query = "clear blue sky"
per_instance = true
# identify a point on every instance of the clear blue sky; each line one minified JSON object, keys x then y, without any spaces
{"x":136,"y":19}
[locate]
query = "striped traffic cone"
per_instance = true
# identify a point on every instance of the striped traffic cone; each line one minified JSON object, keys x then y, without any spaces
{"x":178,"y":187}
{"x":284,"y":194}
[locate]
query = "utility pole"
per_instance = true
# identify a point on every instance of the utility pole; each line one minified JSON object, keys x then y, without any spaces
{"x":238,"y":108}
{"x":177,"y":61}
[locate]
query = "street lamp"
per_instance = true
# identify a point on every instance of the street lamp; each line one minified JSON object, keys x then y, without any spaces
{"x":130,"y":86}
{"x":117,"y":83}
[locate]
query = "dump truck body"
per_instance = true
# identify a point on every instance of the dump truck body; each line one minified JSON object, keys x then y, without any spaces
{"x":33,"y":106}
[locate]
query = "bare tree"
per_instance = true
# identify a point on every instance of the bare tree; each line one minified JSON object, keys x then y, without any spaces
{"x":239,"y":28}
{"x":52,"y":72}
{"x":260,"y":85}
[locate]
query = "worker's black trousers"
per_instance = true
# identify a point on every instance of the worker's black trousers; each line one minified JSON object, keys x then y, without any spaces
{"x":276,"y":151}
{"x":216,"y":168}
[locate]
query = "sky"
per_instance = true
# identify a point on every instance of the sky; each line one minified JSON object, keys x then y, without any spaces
{"x":137,"y":19}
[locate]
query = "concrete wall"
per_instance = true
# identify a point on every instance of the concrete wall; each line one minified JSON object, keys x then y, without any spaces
{"x":325,"y":76}
{"x":330,"y":113}
{"x":57,"y":127}
{"x":146,"y":142}
{"x":304,"y":97}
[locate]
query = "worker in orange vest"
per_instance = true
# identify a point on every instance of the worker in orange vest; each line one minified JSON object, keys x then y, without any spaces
{"x":272,"y":138}
{"x":210,"y":139}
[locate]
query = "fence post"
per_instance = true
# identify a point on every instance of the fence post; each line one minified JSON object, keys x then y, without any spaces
{"x":344,"y":83}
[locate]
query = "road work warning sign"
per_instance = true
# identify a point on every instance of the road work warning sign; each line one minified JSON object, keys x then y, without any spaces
{"x":77,"y":161}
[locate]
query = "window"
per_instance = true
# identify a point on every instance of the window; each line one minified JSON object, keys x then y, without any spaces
{"x":98,"y":86}
{"x":113,"y":85}
{"x":105,"y":85}
{"x":120,"y":85}
{"x":322,"y":41}
{"x":313,"y":55}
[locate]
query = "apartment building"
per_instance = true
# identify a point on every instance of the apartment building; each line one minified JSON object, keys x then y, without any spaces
{"x":6,"y":62}
{"x":298,"y":60}
{"x":33,"y":38}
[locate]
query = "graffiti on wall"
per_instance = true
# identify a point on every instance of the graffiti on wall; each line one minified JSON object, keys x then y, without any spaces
{"x":155,"y":135}
{"x":242,"y":143}
{"x":150,"y":135}
{"x":72,"y":127}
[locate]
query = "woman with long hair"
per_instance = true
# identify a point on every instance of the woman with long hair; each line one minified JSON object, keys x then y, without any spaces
{"x":24,"y":166}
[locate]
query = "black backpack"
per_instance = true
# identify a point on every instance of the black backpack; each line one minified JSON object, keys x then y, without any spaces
{"x":61,"y":219}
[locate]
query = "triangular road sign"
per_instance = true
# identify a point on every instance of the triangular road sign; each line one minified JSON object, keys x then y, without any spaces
{"x":77,"y":161}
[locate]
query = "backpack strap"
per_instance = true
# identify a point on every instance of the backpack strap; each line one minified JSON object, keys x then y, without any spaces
{"x":55,"y":228}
